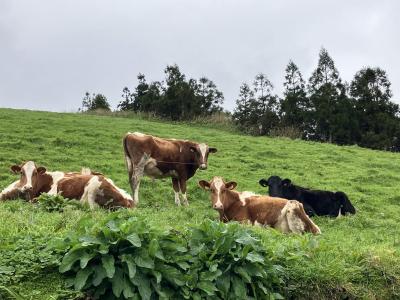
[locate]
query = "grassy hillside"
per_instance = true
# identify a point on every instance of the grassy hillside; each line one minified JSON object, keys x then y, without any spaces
{"x":355,"y":256}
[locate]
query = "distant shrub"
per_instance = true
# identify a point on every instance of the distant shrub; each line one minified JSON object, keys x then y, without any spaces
{"x":57,"y":203}
{"x":128,"y":259}
{"x":289,"y":132}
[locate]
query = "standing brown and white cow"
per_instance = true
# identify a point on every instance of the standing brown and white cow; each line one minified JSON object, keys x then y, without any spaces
{"x":88,"y":187}
{"x":282,"y":214}
{"x":157,"y":158}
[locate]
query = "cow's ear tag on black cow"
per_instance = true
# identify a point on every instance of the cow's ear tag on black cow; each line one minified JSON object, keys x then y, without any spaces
{"x":41,"y":170}
{"x":15,"y":169}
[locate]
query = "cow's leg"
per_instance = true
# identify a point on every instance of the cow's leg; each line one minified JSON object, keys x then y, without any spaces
{"x":182,"y":188}
{"x":300,"y":215}
{"x":175,"y":185}
{"x":135,"y":174}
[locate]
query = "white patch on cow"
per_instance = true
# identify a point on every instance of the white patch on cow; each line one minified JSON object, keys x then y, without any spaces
{"x":244,"y":195}
{"x":340,"y":213}
{"x":185,"y":201}
{"x":138,"y":134}
{"x":296,"y":225}
{"x":218,"y":183}
{"x":203,"y":150}
{"x":86,"y":171}
{"x":28,"y":167}
{"x":8,"y":189}
{"x":128,"y":163}
{"x":90,"y":192}
{"x":123,"y":193}
{"x":177,"y":200}
{"x":56,"y":176}
{"x":256,"y":223}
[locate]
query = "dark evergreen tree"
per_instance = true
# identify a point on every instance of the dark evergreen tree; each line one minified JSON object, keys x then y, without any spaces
{"x":326,"y":92}
{"x":211,"y":98}
{"x":378,"y":117}
{"x":242,"y":112}
{"x":264,"y":105}
{"x":295,"y":107}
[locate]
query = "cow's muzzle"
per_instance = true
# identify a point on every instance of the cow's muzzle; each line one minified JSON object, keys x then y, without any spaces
{"x":203,"y":167}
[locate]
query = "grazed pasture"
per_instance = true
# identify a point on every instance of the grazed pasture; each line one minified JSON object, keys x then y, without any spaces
{"x":355,"y":256}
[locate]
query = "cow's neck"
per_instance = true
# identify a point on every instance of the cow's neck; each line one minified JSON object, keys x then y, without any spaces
{"x":44,"y":183}
{"x":232,"y":204}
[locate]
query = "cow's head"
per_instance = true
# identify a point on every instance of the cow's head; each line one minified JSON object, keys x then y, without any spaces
{"x":274,"y":184}
{"x":218,"y":188}
{"x":28,"y":181}
{"x":201,"y":152}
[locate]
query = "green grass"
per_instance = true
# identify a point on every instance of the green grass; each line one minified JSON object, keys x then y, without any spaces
{"x":355,"y":257}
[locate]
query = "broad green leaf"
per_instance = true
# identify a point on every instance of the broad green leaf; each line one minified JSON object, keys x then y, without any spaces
{"x":255,"y":257}
{"x":85,"y":258}
{"x":224,"y":283}
{"x":128,"y":259}
{"x":143,"y":284}
{"x":154,"y":249}
{"x":108,"y":265}
{"x":134,"y":239}
{"x":113,"y":226}
{"x":99,"y":275}
{"x":117,"y":282}
{"x":128,"y":289}
{"x":207,"y":286}
{"x":243,"y":273}
{"x":81,"y":278}
{"x":69,"y":259}
{"x":89,"y":240}
{"x":239,"y":287}
{"x":144,"y":261}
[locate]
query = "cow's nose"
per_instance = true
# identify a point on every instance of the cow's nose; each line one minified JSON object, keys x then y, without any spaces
{"x":27,"y":188}
{"x":203,"y":167}
{"x":218,"y":206}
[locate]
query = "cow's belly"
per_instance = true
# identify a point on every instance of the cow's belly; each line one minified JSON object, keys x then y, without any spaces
{"x":152,"y":171}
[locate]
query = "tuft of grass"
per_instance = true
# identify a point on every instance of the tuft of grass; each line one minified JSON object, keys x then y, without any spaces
{"x":355,"y":257}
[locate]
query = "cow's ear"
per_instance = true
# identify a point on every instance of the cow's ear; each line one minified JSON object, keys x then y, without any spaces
{"x":15,"y":169}
{"x":286,"y":182}
{"x":230,"y":185}
{"x":212,"y":150}
{"x":192,"y":149}
{"x":204,"y":184}
{"x":41,"y":170}
{"x":263,"y":182}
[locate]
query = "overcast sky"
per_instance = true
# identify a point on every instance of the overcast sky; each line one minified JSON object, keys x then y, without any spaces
{"x":52,"y":52}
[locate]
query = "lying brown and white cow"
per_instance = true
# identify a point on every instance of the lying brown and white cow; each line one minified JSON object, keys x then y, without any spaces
{"x":157,"y":158}
{"x":88,"y":187}
{"x":282,"y":214}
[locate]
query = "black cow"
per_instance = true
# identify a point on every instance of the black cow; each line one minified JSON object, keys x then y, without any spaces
{"x":315,"y":202}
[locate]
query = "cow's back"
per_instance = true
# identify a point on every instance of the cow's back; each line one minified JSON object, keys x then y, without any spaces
{"x":73,"y":186}
{"x":265,"y":209}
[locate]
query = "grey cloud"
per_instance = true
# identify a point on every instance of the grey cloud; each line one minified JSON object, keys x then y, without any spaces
{"x":53,"y":51}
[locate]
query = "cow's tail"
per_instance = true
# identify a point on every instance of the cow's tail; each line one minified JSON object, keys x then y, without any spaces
{"x":346,"y":206}
{"x":128,"y":158}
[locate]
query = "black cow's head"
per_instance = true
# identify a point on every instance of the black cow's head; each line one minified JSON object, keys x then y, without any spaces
{"x":274,"y":184}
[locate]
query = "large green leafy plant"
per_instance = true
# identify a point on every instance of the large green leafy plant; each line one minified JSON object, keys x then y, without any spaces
{"x":129,"y":259}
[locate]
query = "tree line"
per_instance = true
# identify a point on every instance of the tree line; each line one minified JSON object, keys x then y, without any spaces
{"x":323,"y":108}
